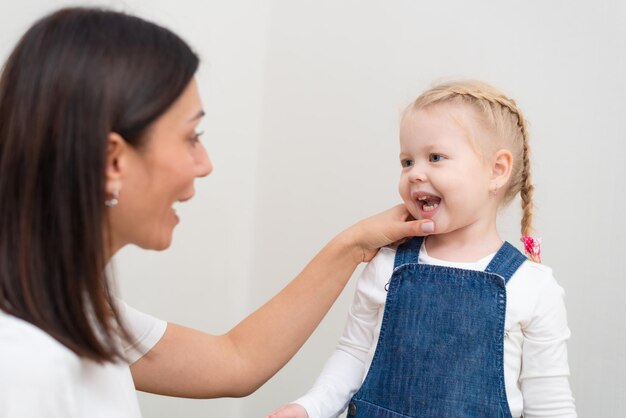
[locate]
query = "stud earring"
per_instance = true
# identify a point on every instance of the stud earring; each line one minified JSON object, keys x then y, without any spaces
{"x":114,"y":200}
{"x":494,"y":192}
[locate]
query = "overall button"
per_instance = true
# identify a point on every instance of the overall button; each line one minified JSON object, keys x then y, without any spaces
{"x":352,"y":410}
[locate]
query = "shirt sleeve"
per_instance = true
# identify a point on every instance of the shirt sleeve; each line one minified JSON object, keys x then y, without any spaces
{"x":544,"y":376}
{"x":145,"y":331}
{"x":343,"y":373}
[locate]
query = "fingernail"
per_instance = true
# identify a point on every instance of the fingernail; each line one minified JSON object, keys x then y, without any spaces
{"x":428,"y":227}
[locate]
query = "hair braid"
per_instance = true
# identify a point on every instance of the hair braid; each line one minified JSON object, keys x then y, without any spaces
{"x":526,"y":192}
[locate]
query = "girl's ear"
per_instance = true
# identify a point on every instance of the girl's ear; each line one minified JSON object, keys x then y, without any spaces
{"x":501,"y":169}
{"x":114,"y":165}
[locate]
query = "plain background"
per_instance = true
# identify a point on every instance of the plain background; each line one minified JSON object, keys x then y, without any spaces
{"x":303,"y":101}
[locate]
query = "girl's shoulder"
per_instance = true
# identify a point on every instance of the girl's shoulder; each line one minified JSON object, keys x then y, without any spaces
{"x":384,"y":257}
{"x":536,"y":271}
{"x":377,"y":273}
{"x":535,"y":278}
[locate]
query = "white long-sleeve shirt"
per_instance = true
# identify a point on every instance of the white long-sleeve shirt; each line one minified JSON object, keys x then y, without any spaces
{"x":536,"y":370}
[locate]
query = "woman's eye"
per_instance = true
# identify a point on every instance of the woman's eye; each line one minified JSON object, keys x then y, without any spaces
{"x":406,"y":163}
{"x":434,"y":158}
{"x":196,"y":137}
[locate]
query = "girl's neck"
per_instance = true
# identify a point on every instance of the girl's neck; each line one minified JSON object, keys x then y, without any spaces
{"x":466,"y":244}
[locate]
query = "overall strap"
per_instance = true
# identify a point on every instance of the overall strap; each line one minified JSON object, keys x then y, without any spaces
{"x":408,"y":253}
{"x":506,"y":261}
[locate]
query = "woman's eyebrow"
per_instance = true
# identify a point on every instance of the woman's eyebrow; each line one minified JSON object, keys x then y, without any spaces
{"x":197,"y":116}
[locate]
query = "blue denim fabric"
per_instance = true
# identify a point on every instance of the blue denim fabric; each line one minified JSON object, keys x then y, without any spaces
{"x":440,"y":349}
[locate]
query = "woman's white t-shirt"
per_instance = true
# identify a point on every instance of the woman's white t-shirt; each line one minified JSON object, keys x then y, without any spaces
{"x":41,"y":378}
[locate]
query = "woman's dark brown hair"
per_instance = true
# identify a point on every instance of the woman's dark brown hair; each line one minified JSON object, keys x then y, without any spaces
{"x":74,"y":77}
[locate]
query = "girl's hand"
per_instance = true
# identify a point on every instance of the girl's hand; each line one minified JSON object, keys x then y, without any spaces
{"x":293,"y":410}
{"x":388,"y":227}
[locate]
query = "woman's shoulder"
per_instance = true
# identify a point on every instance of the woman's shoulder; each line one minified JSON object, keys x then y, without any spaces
{"x":39,"y":375}
{"x":32,"y":352}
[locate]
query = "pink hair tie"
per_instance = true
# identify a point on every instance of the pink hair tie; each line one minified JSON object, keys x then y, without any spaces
{"x":532,"y":247}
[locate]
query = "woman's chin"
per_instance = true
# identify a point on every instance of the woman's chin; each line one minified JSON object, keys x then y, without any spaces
{"x":157,"y":243}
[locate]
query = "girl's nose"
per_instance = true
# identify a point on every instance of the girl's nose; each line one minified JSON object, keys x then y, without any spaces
{"x":417,"y":175}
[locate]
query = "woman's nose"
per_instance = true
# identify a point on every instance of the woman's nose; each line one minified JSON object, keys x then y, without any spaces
{"x":203,"y":163}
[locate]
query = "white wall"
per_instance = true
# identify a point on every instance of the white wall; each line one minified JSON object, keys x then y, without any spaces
{"x":303,"y":100}
{"x":337,"y":75}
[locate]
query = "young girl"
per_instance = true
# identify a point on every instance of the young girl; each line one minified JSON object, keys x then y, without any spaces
{"x":459,"y":324}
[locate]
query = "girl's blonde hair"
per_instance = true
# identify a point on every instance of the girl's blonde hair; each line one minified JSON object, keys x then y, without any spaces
{"x":500,"y":115}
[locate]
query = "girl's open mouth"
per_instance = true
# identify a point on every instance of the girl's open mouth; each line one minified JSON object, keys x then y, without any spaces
{"x":428,"y":203}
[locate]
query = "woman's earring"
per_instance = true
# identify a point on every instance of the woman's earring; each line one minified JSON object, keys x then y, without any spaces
{"x":114,"y":200}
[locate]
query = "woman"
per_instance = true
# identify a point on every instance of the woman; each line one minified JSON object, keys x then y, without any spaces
{"x":98,"y":112}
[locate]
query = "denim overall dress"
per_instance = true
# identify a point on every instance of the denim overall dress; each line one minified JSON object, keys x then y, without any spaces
{"x":440,"y":349}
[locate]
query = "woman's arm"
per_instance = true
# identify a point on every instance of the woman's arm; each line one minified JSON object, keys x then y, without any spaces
{"x":344,"y":371}
{"x":190,"y":363}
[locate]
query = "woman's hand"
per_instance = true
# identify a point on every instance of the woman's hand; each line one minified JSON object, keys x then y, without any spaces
{"x":393,"y":225}
{"x":293,"y":410}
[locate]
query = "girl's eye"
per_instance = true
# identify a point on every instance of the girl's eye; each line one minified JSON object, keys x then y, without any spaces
{"x":406,"y":163}
{"x":435,"y":158}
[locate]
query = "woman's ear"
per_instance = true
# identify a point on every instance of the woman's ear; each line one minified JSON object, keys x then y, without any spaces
{"x":114,"y":165}
{"x":501,"y":169}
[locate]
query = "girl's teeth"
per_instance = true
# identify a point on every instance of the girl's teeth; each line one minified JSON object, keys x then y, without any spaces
{"x":428,"y":208}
